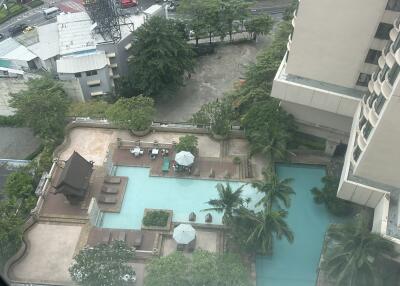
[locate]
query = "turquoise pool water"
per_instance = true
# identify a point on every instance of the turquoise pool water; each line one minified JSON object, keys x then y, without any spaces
{"x":295,"y":264}
{"x":291,"y":265}
{"x":183,"y":196}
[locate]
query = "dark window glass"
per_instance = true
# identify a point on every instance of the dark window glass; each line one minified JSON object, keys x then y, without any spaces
{"x":379,"y":103}
{"x":372,"y":99}
{"x":89,"y":73}
{"x":362,"y":122}
{"x":383,"y":72}
{"x":396,"y":44}
{"x":78,"y":74}
{"x":363,"y":79}
{"x":393,"y":5}
{"x":393,"y":73}
{"x":356,"y":153}
{"x":367,"y":130}
{"x":383,"y":31}
{"x":373,"y":56}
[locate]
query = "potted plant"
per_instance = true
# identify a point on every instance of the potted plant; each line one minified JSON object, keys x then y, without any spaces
{"x":134,"y":114}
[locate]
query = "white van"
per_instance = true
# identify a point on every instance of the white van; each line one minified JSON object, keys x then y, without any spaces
{"x":51,"y":12}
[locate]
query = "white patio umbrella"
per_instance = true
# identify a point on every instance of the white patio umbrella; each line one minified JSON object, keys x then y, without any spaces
{"x":184,"y":158}
{"x":184,"y":233}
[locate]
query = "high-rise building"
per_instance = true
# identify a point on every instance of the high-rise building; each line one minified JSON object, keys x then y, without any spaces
{"x":370,"y":176}
{"x":333,"y":51}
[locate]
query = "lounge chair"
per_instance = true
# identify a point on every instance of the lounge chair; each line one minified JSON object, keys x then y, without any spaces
{"x":108,"y":199}
{"x":165,"y":164}
{"x":109,"y":190}
{"x":112,"y":180}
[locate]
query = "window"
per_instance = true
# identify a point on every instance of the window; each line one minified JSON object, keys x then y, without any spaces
{"x":356,"y":153}
{"x":393,"y":5}
{"x":90,"y":73}
{"x":367,"y":130}
{"x":383,"y":73}
{"x":373,"y":56}
{"x":78,"y":74}
{"x":383,"y":31}
{"x":379,"y":104}
{"x":393,"y":73}
{"x":372,"y":99}
{"x":362,"y":122}
{"x":363,"y":79}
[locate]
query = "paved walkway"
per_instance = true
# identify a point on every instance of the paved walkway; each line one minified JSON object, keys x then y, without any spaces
{"x":50,"y":255}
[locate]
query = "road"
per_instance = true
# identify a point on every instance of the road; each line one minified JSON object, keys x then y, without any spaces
{"x":35,"y":16}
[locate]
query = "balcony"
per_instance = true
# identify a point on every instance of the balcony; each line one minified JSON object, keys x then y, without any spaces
{"x":393,"y":34}
{"x":386,"y":88}
{"x":396,"y":24}
{"x":381,"y":61}
{"x":361,"y":143}
{"x":373,"y":116}
{"x":389,"y":58}
{"x":379,"y":103}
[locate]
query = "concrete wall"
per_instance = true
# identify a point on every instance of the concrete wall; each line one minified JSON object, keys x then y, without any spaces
{"x":102,"y":75}
{"x":331,"y":39}
{"x":73,"y":89}
{"x":381,"y":216}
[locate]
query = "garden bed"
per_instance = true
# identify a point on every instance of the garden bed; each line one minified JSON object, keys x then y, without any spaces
{"x":157,"y":219}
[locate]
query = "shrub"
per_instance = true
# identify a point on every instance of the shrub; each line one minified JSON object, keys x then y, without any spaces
{"x":155,"y":218}
{"x":236,"y":160}
{"x":134,"y":113}
{"x":10,"y":121}
{"x":92,"y":109}
{"x":187,"y":143}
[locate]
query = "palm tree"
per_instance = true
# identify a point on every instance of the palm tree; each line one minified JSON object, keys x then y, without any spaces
{"x":327,"y":196}
{"x":356,"y":254}
{"x":227,"y":202}
{"x":265,"y":227}
{"x":276,"y":191}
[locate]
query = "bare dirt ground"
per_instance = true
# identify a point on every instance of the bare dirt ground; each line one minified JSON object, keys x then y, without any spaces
{"x":214,"y":75}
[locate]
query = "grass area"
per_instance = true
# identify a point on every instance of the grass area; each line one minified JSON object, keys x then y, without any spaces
{"x":35,"y":3}
{"x":302,"y":140}
{"x":13,"y":10}
{"x":155,"y":218}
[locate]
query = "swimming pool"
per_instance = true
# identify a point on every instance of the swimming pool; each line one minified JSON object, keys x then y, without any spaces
{"x":183,"y":196}
{"x":295,"y":264}
{"x":291,"y":265}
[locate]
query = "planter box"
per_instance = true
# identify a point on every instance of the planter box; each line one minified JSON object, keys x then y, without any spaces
{"x":160,"y":228}
{"x":140,"y":133}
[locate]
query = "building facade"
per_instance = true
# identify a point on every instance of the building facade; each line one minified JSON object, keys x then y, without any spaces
{"x":332,"y":53}
{"x":370,"y":176}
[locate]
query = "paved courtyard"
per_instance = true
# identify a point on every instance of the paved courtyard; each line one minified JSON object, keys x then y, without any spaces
{"x":50,"y":254}
{"x":214,"y":75}
{"x":92,"y":143}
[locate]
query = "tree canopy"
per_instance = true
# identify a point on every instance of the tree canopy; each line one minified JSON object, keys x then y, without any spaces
{"x":160,"y":56}
{"x":43,"y":107}
{"x":187,"y":143}
{"x":203,"y":268}
{"x":356,"y":256}
{"x":135,"y":113}
{"x":104,"y":265}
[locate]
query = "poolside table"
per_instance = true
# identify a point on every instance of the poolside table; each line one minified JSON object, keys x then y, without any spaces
{"x":154,"y":151}
{"x":135,"y":151}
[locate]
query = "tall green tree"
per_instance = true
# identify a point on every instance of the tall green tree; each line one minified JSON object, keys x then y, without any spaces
{"x":258,"y":231}
{"x":228,"y":201}
{"x":135,"y":113}
{"x":43,"y":107}
{"x":19,"y":189}
{"x":327,"y":196}
{"x":231,"y":11}
{"x":276,"y":192}
{"x":202,"y":268}
{"x":104,"y":265}
{"x":357,"y":256}
{"x":160,"y":56}
{"x":259,"y":25}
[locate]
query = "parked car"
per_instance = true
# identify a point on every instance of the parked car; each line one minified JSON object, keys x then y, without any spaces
{"x":128,"y":3}
{"x":28,"y":29}
{"x":17,"y":29}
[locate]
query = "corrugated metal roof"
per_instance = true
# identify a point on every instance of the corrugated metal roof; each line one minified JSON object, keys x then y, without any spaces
{"x":48,"y":45}
{"x":75,"y":34}
{"x":80,"y":63}
{"x":10,"y":49}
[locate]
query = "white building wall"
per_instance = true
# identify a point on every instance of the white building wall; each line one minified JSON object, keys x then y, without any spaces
{"x":381,"y":216}
{"x":332,"y":38}
{"x":380,"y":160}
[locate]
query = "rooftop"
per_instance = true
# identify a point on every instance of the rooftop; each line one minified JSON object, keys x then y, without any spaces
{"x":47,"y":45}
{"x":83,"y":62}
{"x":10,"y":49}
